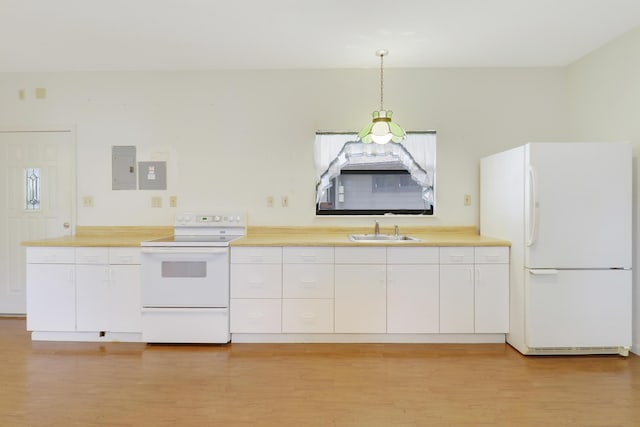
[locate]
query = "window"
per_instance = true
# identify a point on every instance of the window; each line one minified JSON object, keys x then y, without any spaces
{"x":32,"y":189}
{"x":354,"y":178}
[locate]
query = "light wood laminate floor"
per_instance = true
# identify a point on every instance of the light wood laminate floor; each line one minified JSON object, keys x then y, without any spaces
{"x":125,"y":384}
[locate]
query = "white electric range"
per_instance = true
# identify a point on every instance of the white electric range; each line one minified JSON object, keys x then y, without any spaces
{"x":185,"y":280}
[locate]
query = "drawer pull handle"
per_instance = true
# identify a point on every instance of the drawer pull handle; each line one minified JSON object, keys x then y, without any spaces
{"x":308,"y":316}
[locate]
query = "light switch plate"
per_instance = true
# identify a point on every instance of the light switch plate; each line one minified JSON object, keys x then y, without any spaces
{"x":152,"y":175}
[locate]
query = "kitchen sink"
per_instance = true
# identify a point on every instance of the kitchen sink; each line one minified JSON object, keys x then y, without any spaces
{"x":381,"y":238}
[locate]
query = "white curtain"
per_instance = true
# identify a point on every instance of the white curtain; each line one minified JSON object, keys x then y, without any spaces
{"x":416,"y":153}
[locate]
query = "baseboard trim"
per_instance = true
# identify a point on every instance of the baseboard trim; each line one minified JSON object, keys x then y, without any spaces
{"x":370,"y":338}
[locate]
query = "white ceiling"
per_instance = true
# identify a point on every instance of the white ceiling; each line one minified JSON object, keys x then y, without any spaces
{"x":66,"y":35}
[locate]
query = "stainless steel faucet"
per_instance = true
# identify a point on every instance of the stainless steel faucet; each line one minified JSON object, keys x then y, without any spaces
{"x":397,"y":231}
{"x":376,"y":228}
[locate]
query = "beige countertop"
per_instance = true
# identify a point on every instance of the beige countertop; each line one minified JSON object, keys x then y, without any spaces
{"x":339,"y":236}
{"x":277,"y":236}
{"x":105,"y":237}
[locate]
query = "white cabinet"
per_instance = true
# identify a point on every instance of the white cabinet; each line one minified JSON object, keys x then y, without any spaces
{"x":360,"y":290}
{"x":384,"y":290}
{"x":125,"y":314}
{"x":456,"y":298}
{"x":491,"y":290}
{"x":307,"y":315}
{"x":92,"y":293}
{"x":474,"y":290}
{"x":413,"y":290}
{"x":80,"y":290}
{"x":108,"y":294}
{"x":307,"y":289}
{"x":256,"y":290}
{"x":51,"y":292}
{"x":456,"y":290}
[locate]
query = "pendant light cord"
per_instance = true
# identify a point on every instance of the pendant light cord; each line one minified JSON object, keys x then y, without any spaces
{"x":381,"y":81}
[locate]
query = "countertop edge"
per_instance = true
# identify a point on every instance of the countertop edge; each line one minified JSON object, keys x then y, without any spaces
{"x":274,"y":236}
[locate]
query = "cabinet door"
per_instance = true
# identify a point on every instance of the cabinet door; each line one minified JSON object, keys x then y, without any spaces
{"x":124,"y":256}
{"x":307,"y":255}
{"x":412,"y":299}
{"x":456,"y":298}
{"x":307,"y":316}
{"x":124,"y":300}
{"x":51,"y":297}
{"x":307,"y":281}
{"x":360,"y":298}
{"x":256,"y":255}
{"x":92,"y":293}
{"x":492,"y":298}
{"x":256,"y":281}
{"x":258,"y":316}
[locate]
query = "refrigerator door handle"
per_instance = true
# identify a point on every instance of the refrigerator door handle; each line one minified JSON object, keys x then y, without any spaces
{"x":543,"y":272}
{"x":533,"y":208}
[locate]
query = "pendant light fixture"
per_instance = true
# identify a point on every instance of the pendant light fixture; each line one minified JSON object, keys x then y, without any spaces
{"x":382,"y":129}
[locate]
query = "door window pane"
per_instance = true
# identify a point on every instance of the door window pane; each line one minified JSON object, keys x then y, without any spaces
{"x":32,"y":189}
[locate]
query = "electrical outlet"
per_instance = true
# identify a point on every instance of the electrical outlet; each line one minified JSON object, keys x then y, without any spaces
{"x":467,"y":200}
{"x":284,"y":201}
{"x":87,"y":201}
{"x":156,"y":202}
{"x":173,"y":201}
{"x":269,"y":201}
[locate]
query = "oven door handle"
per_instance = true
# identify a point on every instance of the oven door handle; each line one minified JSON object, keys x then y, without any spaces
{"x":191,"y":250}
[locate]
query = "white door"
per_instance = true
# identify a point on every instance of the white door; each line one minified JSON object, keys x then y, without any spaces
{"x":49,"y":158}
{"x":456,"y":299}
{"x":491,"y":295}
{"x":360,"y":298}
{"x":413,"y":299}
{"x":579,"y":205}
{"x":578,"y":308}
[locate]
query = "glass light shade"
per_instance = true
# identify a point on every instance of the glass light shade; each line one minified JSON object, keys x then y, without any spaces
{"x":382,"y":129}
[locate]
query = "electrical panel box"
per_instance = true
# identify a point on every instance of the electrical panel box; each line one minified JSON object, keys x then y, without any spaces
{"x":123,"y":167}
{"x":152,"y":175}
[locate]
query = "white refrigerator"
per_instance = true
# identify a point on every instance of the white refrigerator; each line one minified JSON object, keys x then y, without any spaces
{"x":567,"y":210}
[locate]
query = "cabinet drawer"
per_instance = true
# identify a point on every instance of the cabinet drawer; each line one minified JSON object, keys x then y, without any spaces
{"x":307,"y":316}
{"x":456,"y":255}
{"x":492,"y":255}
{"x":92,"y":256}
{"x":50,"y":255}
{"x":361,"y":255}
{"x":308,"y":255}
{"x":307,"y":281}
{"x":256,"y":316}
{"x":413,"y":255}
{"x":256,"y":281}
{"x":124,"y":255}
{"x":256,"y":255}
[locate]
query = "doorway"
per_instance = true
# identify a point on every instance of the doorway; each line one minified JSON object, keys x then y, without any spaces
{"x":37,"y":199}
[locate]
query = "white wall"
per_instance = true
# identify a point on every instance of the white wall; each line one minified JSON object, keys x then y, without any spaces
{"x":235,"y":137}
{"x":604,"y":104}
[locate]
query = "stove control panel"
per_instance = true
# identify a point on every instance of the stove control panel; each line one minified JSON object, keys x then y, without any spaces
{"x":208,"y":220}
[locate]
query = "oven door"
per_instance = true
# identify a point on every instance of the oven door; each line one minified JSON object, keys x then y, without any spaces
{"x":185,"y":277}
